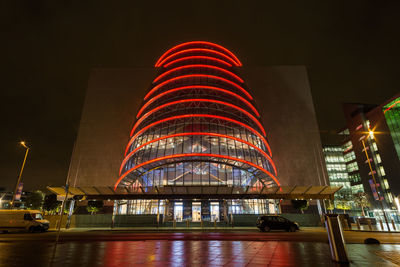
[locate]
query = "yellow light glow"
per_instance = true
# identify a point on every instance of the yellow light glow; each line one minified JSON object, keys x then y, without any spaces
{"x":371,"y":134}
{"x":22,"y":143}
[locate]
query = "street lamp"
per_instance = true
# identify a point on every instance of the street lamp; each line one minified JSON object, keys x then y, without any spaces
{"x":371,"y":135}
{"x":22,"y":143}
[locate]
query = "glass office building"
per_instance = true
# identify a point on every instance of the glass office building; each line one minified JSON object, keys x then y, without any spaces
{"x":197,"y":127}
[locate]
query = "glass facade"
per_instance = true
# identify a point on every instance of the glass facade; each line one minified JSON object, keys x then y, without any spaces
{"x":198,"y":126}
{"x":392,"y":116}
{"x":338,"y":171}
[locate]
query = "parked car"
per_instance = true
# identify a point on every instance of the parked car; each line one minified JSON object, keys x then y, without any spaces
{"x":275,"y":222}
{"x":30,"y":220}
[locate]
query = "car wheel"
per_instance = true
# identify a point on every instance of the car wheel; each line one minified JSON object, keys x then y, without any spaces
{"x":267,"y":228}
{"x":293,"y":228}
{"x":32,"y":229}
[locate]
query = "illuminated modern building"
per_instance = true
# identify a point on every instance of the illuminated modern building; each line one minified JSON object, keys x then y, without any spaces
{"x":197,"y":130}
{"x":373,"y":135}
{"x":198,"y":126}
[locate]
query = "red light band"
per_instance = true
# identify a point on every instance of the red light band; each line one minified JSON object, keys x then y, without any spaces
{"x":138,"y":122}
{"x":196,"y":155}
{"x":196,"y":116}
{"x":197,"y":133}
{"x":199,"y":66}
{"x":200,"y":43}
{"x":389,"y":108}
{"x":201,"y":50}
{"x":198,"y":57}
{"x":155,"y":88}
{"x":200,"y":87}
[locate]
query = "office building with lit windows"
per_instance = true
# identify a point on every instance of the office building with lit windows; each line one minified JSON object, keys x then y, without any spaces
{"x":337,"y":171}
{"x":193,"y":126}
{"x":373,"y":138}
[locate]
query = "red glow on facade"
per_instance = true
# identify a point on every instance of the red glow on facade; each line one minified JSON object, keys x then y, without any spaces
{"x":226,"y":51}
{"x":254,"y":119}
{"x":197,"y":134}
{"x":199,"y":66}
{"x":198,"y":116}
{"x":198,"y":57}
{"x":155,"y":88}
{"x":199,"y":87}
{"x":196,"y":155}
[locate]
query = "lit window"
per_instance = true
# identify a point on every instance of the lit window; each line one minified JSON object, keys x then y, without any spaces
{"x":382,"y":171}
{"x":374,"y":147}
{"x":386,"y":184}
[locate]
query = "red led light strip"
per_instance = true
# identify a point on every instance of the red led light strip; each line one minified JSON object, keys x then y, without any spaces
{"x":196,"y":116}
{"x":197,"y":133}
{"x":196,"y":155}
{"x":201,"y":50}
{"x":138,"y":122}
{"x":389,"y":108}
{"x":198,"y":66}
{"x":155,"y":88}
{"x":199,"y":87}
{"x":200,"y":43}
{"x":198,"y":57}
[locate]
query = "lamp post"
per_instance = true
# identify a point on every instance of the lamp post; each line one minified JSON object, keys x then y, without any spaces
{"x":20,"y":173}
{"x":371,"y":135}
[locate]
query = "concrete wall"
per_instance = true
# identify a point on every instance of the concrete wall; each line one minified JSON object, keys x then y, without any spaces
{"x":282,"y":95}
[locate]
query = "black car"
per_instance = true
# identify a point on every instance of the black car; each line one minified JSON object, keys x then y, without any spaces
{"x":275,"y":222}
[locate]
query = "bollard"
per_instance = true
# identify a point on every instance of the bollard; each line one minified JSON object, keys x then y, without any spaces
{"x":187,"y":223}
{"x":358,"y":224}
{"x":174,"y":223}
{"x":215,"y":223}
{"x":381,"y":223}
{"x":336,"y":239}
{"x":369,"y":224}
{"x":393,"y":225}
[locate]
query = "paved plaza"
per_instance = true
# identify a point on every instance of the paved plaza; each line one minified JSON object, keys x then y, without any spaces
{"x":236,"y":248}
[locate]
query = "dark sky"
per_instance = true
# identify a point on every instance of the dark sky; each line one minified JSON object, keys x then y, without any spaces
{"x":350,"y":48}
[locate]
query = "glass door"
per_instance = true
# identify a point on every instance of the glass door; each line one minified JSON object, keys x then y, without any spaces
{"x":178,"y":211}
{"x":214,"y":211}
{"x":196,"y":211}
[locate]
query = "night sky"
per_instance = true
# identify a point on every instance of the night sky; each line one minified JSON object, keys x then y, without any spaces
{"x":350,"y":48}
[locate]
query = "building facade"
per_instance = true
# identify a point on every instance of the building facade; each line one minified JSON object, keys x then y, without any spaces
{"x":210,"y":135}
{"x":198,"y":126}
{"x":373,"y":137}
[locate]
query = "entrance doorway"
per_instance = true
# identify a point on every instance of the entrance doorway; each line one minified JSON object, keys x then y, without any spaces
{"x":196,"y":211}
{"x":214,"y":211}
{"x":178,"y":211}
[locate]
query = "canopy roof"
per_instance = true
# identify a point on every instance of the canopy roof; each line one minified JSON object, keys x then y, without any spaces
{"x":199,"y":192}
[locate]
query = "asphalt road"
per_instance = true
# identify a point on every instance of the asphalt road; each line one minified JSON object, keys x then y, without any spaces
{"x":305,"y":235}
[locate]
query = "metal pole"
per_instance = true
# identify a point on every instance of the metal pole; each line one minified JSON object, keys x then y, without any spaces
{"x":19,"y":177}
{"x":376,"y":186}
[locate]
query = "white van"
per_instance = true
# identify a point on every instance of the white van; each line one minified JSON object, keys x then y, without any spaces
{"x":30,"y":220}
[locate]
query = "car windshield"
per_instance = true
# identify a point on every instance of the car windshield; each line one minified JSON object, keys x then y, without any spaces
{"x":37,"y":216}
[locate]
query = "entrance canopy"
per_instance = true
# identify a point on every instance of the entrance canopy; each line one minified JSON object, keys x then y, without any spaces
{"x":199,"y":192}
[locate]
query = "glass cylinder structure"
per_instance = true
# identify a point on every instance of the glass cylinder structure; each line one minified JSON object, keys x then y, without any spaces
{"x":198,"y":125}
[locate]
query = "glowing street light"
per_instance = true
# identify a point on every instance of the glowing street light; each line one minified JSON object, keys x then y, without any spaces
{"x":371,"y":134}
{"x":20,"y":173}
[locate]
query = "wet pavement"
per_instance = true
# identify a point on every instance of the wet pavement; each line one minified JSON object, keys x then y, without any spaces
{"x":189,"y":253}
{"x":305,"y":235}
